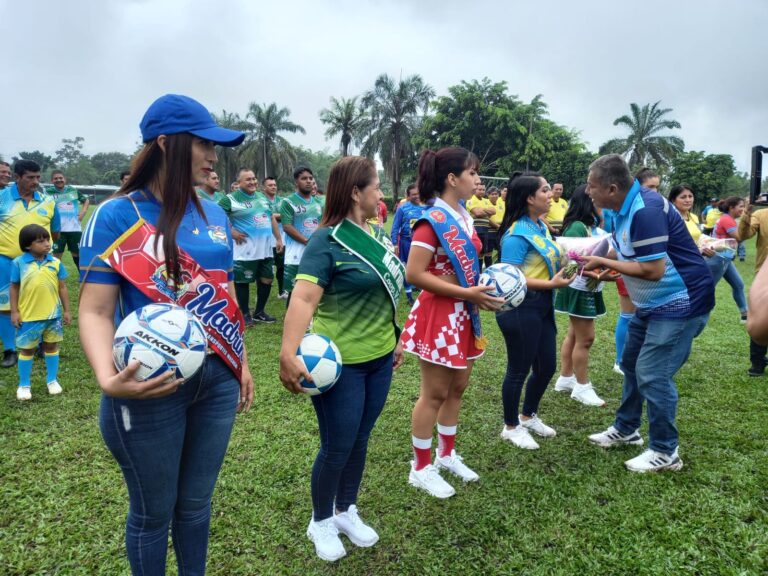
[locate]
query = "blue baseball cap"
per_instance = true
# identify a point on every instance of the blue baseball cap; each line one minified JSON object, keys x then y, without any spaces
{"x":174,"y":114}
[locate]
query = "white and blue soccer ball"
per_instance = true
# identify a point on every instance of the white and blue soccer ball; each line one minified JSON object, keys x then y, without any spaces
{"x":323,"y":362}
{"x":507,"y":282}
{"x":161,"y":337}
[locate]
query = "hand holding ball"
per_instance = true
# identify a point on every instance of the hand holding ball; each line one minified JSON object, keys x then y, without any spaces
{"x":322,"y":359}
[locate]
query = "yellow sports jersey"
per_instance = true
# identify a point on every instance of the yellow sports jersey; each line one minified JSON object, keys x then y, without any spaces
{"x":500,"y":207}
{"x":15,"y":214}
{"x":38,"y":286}
{"x":476,"y":202}
{"x":557,"y":211}
{"x":692,"y":223}
{"x":712,"y":217}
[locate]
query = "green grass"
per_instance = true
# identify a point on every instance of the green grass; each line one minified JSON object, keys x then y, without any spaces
{"x":568,"y":508}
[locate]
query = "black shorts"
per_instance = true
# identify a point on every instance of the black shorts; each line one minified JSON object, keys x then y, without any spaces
{"x":482,"y":233}
{"x":493,"y":241}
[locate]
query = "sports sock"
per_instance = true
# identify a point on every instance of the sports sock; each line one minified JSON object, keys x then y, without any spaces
{"x":446,"y":439}
{"x":51,"y":366}
{"x":622,"y":325}
{"x":422,"y":451}
{"x":242,"y":291}
{"x":25,"y":370}
{"x":262,"y":295}
{"x":7,"y":332}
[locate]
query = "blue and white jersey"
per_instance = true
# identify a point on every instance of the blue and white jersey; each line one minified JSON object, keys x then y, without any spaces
{"x":209,"y":243}
{"x":647,"y":228}
{"x":406,"y":217}
{"x":251,"y":214}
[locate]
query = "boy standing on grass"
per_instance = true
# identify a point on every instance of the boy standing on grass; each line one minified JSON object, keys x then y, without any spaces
{"x":38,"y":297}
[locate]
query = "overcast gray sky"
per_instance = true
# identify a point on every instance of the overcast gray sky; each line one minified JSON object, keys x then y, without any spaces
{"x":91,"y":68}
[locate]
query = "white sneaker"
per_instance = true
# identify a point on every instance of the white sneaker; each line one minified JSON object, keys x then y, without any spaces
{"x":54,"y":388}
{"x":612,"y":437}
{"x":565,"y":383}
{"x":520,"y":437}
{"x":535,"y":425}
{"x":429,"y":479}
{"x":652,"y":461}
{"x":455,"y":465}
{"x":585,"y":394}
{"x":357,"y":531}
{"x":283,"y":295}
{"x":325,"y":535}
{"x":617,"y":368}
{"x":23,"y":393}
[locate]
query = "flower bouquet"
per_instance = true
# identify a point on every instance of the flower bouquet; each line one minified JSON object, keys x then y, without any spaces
{"x":574,"y":251}
{"x":723,"y":247}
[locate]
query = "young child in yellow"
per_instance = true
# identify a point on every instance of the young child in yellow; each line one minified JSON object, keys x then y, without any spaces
{"x":39,"y":305}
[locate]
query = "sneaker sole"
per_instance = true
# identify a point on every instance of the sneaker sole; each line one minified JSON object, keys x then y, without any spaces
{"x":675,"y":467}
{"x":474,"y":478}
{"x":417,"y":484}
{"x":355,"y":541}
{"x":638,"y":442}
{"x":579,"y":400}
{"x":563,"y":388}
{"x":515,"y":444}
{"x":539,"y":434}
{"x":323,"y":556}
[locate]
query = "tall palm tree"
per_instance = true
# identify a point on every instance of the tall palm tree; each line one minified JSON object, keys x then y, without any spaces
{"x":344,"y":117}
{"x":393,"y":117}
{"x":644,"y":142}
{"x":229,"y":158}
{"x":535,"y":111}
{"x":265,"y":148}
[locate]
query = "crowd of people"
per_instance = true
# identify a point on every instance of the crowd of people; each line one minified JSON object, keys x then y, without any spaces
{"x":342,"y":275}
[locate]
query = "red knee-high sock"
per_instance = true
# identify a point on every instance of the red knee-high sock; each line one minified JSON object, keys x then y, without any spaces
{"x":446,"y":440}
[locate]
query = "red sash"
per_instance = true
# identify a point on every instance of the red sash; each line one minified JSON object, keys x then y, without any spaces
{"x":132,"y":255}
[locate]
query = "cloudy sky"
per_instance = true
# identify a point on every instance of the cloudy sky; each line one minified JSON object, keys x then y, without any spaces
{"x":91,"y":68}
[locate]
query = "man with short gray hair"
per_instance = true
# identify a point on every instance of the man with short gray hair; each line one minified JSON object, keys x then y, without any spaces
{"x":673,"y":292}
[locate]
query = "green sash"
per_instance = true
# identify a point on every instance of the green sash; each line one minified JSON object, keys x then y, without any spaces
{"x":377,"y":253}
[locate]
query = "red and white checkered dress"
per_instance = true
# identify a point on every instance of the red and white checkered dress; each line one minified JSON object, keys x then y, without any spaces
{"x":438,"y":328}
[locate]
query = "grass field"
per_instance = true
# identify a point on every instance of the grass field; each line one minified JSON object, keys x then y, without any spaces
{"x":568,"y":508}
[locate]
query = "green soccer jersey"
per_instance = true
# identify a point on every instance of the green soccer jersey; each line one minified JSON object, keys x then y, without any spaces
{"x":355,"y":310}
{"x":215,"y":197}
{"x":68,"y":201}
{"x":304,"y":215}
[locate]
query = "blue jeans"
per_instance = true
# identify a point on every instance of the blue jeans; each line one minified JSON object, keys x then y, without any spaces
{"x":346,"y":415}
{"x":724,"y":268}
{"x":655,"y":351}
{"x":170,"y":450}
{"x":530,"y":334}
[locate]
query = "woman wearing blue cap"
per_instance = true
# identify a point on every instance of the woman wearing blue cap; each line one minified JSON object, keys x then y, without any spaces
{"x":169,"y":439}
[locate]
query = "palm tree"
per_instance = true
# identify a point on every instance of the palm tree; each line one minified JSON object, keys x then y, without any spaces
{"x":229,"y":158}
{"x":265,"y":148}
{"x":393,"y":117}
{"x":535,"y":111}
{"x":644,"y":143}
{"x":345,"y":117}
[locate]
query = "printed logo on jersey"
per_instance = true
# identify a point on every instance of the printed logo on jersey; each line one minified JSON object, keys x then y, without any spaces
{"x":217,"y":234}
{"x":165,"y":285}
{"x":42,"y":211}
{"x":311,"y":224}
{"x":261,"y":220}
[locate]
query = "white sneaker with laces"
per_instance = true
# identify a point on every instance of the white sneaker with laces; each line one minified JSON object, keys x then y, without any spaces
{"x":429,"y":479}
{"x":23,"y":393}
{"x":325,"y":535}
{"x":617,"y":368}
{"x":54,"y":388}
{"x":652,"y":461}
{"x":612,"y":437}
{"x":283,"y":295}
{"x":535,"y":425}
{"x":565,"y":383}
{"x":585,"y":394}
{"x":455,"y":465}
{"x":520,"y":437}
{"x":357,"y":531}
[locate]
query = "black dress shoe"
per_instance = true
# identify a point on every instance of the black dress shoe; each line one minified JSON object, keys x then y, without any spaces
{"x":10,"y":358}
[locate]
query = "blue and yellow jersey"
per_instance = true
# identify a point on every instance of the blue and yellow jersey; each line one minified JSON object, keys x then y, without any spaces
{"x":406,"y":217}
{"x":500,"y":208}
{"x":517,"y":250}
{"x":16,"y":213}
{"x":38,"y":286}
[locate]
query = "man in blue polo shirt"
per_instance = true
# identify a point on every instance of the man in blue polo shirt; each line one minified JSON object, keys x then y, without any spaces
{"x":673,"y":291}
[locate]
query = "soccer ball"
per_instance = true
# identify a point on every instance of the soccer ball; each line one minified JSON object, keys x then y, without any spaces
{"x":323,"y":362}
{"x":161,"y":337}
{"x":507,"y":282}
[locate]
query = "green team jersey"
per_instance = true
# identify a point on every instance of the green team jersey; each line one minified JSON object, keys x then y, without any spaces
{"x":215,"y":197}
{"x":69,"y":202}
{"x":355,"y":310}
{"x":304,"y":215}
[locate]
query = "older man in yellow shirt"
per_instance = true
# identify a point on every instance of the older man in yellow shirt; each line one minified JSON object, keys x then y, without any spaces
{"x":557,"y":210}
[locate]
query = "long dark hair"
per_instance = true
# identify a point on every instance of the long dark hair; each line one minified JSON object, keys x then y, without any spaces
{"x":729,"y":203}
{"x":581,"y":209}
{"x":345,"y":174}
{"x":171,"y":173}
{"x":520,"y":187}
{"x":434,"y":168}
